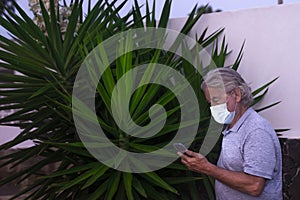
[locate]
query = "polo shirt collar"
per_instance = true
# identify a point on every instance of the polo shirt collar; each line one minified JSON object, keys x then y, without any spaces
{"x":239,"y":123}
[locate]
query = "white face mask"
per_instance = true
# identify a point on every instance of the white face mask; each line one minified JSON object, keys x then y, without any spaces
{"x":221,"y":114}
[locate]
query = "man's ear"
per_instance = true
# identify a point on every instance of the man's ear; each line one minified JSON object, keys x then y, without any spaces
{"x":238,"y":94}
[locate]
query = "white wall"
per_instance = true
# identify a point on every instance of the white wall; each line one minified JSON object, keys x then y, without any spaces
{"x":272,"y":49}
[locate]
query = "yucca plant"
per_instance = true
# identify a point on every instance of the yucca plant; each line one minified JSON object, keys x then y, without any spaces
{"x":46,"y":63}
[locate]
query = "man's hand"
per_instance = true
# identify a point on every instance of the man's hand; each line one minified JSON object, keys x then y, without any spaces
{"x":195,"y":161}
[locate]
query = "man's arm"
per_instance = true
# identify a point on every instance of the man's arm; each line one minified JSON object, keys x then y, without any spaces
{"x":250,"y":184}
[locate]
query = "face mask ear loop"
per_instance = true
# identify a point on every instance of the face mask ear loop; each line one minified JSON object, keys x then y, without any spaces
{"x":235,"y":106}
{"x":228,"y":100}
{"x":229,"y":96}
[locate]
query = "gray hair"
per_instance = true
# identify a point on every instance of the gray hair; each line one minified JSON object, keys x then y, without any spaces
{"x":229,"y":79}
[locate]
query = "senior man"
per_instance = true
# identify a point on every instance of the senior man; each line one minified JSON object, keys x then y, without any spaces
{"x":250,"y":163}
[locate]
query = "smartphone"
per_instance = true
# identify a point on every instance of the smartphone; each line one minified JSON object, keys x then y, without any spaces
{"x":180,"y":147}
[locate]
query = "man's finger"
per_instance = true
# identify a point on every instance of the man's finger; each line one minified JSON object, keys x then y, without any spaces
{"x":194,"y":154}
{"x":191,"y":153}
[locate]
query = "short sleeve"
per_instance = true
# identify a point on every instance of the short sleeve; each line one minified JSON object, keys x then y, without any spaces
{"x":259,"y":154}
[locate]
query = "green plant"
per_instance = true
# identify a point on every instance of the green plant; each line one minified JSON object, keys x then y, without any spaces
{"x":41,"y":95}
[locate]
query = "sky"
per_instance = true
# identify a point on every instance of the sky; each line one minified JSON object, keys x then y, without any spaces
{"x":181,"y":8}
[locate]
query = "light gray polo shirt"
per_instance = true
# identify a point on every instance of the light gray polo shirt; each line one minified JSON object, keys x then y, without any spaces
{"x":251,"y":146}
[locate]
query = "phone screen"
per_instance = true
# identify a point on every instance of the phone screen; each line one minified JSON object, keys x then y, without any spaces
{"x":180,"y":147}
